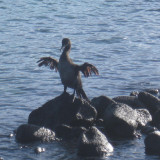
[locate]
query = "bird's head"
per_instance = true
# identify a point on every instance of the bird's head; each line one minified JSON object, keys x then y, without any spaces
{"x":66,"y":43}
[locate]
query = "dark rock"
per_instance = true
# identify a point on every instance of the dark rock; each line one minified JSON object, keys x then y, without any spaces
{"x":61,"y":110}
{"x":94,"y":143}
{"x":121,"y":120}
{"x":28,"y":133}
{"x":101,"y":103}
{"x":156,"y":119}
{"x":151,"y":102}
{"x":148,"y":129}
{"x":99,"y":123}
{"x":129,"y":100}
{"x":152,"y":143}
{"x":143,"y":117}
{"x":152,"y":91}
{"x":68,"y":132}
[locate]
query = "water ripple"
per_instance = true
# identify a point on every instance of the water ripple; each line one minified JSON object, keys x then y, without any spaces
{"x":120,"y":37}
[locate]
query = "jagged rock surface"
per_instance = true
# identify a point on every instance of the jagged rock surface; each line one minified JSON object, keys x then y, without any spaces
{"x":94,"y":143}
{"x":121,"y":120}
{"x":28,"y":133}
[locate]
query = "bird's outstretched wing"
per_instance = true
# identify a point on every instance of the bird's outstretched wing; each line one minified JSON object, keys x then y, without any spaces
{"x":48,"y":61}
{"x":87,"y":69}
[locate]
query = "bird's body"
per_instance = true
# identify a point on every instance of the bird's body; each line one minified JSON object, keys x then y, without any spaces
{"x":69,"y":71}
{"x":70,"y":77}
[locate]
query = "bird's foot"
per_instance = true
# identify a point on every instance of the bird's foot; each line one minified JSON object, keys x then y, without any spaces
{"x":73,"y":98}
{"x":85,"y":101}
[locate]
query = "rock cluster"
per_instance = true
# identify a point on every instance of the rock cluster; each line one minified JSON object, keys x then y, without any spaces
{"x":89,"y":123}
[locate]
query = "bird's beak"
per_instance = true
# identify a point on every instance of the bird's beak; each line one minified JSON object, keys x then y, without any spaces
{"x":62,"y":48}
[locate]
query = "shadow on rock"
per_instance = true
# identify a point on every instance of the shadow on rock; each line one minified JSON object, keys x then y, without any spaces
{"x":61,"y":110}
{"x":68,"y":132}
{"x":152,"y":143}
{"x":101,"y":103}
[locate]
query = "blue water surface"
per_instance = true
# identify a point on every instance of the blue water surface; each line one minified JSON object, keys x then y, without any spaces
{"x":121,"y":38}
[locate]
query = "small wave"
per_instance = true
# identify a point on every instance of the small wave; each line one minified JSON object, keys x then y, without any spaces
{"x":154,"y":10}
{"x":1,"y":42}
{"x":17,"y":20}
{"x":43,"y":30}
{"x":3,"y":7}
{"x":66,"y":16}
{"x":110,"y":40}
{"x":41,"y":17}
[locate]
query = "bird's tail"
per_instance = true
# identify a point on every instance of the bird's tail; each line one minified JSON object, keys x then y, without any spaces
{"x":81,"y":94}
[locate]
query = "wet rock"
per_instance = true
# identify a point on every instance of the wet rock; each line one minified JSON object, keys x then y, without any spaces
{"x":121,"y":120}
{"x":156,"y":119}
{"x":148,"y":129}
{"x":132,"y":101}
{"x":151,"y":102}
{"x":143,"y":117}
{"x":61,"y":110}
{"x":152,"y":91}
{"x":152,"y":143}
{"x":68,"y":132}
{"x":101,"y":103}
{"x":94,"y":143}
{"x":28,"y":133}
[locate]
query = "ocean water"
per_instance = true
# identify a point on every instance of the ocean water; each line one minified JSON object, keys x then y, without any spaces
{"x":121,"y":38}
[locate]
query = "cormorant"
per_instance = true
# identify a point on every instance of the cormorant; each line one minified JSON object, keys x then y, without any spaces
{"x":69,"y":71}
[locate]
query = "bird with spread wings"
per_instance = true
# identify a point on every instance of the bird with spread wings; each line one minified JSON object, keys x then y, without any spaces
{"x":69,"y":71}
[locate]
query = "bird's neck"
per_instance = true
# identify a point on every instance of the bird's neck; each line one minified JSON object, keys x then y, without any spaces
{"x":66,"y":50}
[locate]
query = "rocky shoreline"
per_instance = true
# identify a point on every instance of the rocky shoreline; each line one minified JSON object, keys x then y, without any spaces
{"x":90,"y":124}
